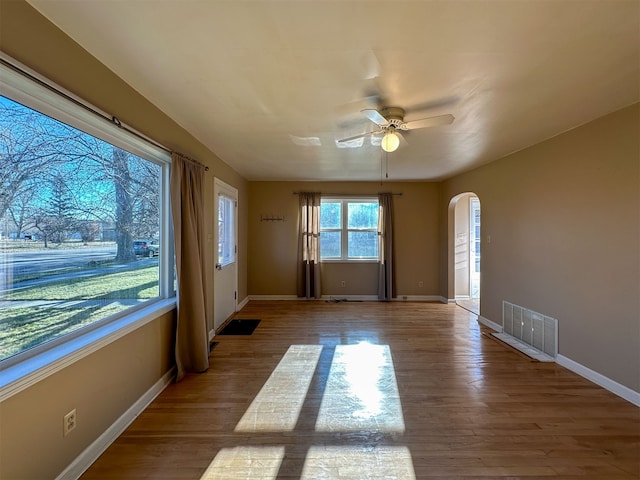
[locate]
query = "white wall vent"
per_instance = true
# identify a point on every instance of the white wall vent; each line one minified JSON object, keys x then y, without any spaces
{"x":531,"y":328}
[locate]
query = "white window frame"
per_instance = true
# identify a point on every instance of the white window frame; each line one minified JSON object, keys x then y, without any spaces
{"x":228,"y":240}
{"x":31,"y":366}
{"x":344,"y":235}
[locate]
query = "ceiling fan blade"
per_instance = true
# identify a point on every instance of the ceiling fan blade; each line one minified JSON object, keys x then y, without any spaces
{"x":374,"y":116}
{"x":429,"y":122}
{"x":441,"y":103}
{"x":348,"y":139}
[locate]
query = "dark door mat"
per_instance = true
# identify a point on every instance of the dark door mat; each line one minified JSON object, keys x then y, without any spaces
{"x":240,"y":326}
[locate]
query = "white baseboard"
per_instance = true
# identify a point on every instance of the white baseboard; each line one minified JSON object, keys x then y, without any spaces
{"x":418,"y":298}
{"x":83,"y":461}
{"x":275,"y":297}
{"x":243,"y":303}
{"x":599,"y":379}
{"x":591,"y":375}
{"x":350,"y":298}
{"x":492,"y":325}
{"x":356,"y":298}
{"x":359,"y":298}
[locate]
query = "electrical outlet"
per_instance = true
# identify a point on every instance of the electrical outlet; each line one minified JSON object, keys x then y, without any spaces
{"x":420,"y":284}
{"x":69,"y":422}
{"x":343,"y":283}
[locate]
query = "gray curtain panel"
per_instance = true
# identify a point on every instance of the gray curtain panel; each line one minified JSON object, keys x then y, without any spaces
{"x":187,"y":209}
{"x":386,"y":274}
{"x":308,"y":279}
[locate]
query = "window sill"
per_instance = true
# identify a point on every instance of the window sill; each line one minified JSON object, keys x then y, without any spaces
{"x":24,"y":374}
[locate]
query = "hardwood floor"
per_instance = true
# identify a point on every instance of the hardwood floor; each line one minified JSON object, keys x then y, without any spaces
{"x":470,"y":406}
{"x":471,"y":304}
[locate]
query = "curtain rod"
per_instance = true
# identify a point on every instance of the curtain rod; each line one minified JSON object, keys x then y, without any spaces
{"x":353,"y":194}
{"x":192,"y":160}
{"x":113,"y":120}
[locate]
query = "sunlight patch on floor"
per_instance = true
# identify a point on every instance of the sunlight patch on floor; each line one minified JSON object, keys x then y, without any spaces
{"x":246,"y":463}
{"x":361,"y":392}
{"x":277,"y":406}
{"x":361,"y":395}
{"x":351,"y":463}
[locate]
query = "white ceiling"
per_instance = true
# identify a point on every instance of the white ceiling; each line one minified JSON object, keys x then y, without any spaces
{"x":269,"y":86}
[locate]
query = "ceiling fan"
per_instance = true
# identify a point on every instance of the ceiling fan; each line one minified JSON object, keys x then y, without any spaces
{"x":390,"y":121}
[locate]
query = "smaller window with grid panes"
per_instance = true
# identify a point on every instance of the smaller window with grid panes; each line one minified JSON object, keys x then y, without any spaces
{"x":349,"y":229}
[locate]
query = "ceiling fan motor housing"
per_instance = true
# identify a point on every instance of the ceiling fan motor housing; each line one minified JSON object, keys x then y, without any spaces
{"x":393,"y":115}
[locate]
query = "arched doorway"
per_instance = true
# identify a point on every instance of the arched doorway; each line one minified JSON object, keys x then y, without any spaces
{"x":465,"y":208}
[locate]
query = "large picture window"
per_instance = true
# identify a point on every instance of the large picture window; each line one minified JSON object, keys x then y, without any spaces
{"x":83,"y":229}
{"x":349,"y":229}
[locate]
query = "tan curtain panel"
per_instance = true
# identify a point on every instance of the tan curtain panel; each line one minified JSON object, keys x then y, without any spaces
{"x":187,"y":209}
{"x":386,"y":274}
{"x":308,"y":281}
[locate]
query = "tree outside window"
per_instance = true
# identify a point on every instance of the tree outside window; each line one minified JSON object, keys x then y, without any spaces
{"x":71,"y":206}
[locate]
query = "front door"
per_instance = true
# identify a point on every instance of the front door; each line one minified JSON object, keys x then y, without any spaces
{"x":226,"y":270}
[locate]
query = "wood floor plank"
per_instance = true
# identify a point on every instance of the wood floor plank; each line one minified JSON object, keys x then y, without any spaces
{"x":472,"y":407}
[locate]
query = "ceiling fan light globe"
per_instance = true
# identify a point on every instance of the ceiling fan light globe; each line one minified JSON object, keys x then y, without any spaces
{"x":390,"y":142}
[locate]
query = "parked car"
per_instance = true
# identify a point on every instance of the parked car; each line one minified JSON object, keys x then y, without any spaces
{"x":146,"y":248}
{"x":154,"y":248}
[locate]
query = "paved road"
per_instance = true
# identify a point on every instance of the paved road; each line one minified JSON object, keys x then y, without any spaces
{"x":57,"y":263}
{"x":28,"y":263}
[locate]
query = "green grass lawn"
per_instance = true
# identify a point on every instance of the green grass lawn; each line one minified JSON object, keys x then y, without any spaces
{"x":69,"y":305}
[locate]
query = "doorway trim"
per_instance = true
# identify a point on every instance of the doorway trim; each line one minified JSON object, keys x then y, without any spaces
{"x":227,"y":291}
{"x":459,"y":249}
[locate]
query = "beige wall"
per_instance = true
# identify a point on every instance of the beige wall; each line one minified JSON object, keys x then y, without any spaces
{"x":104,"y":385}
{"x":272,"y":245}
{"x":563,"y":217}
{"x":101,"y":387}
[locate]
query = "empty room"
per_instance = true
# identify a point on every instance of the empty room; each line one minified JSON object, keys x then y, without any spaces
{"x":319,"y":239}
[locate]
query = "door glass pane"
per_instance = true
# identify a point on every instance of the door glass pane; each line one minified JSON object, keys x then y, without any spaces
{"x":474,"y":248}
{"x":226,"y":229}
